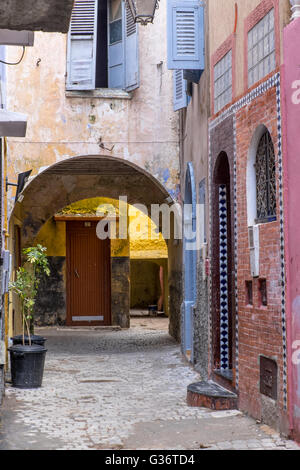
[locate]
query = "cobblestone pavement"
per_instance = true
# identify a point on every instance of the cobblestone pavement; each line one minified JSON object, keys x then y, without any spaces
{"x":121,"y":389}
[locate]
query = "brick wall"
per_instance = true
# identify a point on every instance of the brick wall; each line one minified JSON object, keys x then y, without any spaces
{"x":260,"y":330}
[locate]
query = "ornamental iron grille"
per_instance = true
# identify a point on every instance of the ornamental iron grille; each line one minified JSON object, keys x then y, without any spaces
{"x":265,"y":180}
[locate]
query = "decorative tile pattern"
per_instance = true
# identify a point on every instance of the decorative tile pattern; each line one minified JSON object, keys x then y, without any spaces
{"x":235,"y":257}
{"x":224,"y":288}
{"x":282,"y":242}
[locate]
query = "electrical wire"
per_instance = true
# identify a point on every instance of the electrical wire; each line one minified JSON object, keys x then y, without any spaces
{"x":14,"y":63}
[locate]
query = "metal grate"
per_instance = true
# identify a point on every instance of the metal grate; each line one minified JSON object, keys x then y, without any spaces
{"x":265,"y":180}
{"x":268,"y":377}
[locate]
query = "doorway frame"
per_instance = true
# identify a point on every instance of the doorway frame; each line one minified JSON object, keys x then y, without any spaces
{"x":69,"y":321}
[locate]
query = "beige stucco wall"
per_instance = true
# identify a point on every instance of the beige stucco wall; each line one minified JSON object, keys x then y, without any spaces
{"x":143,"y":129}
{"x":221,"y":25}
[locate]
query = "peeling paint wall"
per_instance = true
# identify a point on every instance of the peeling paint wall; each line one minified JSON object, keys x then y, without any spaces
{"x":143,"y":129}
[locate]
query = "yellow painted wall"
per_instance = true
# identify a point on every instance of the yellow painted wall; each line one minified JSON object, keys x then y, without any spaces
{"x":143,"y":243}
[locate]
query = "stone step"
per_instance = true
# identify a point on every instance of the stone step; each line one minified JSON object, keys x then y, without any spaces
{"x":211,"y":395}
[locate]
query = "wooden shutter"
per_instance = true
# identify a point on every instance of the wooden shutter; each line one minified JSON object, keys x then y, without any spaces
{"x":116,"y":74}
{"x":82,"y":41}
{"x":180,"y":99}
{"x":131,"y":52}
{"x":186,"y":35}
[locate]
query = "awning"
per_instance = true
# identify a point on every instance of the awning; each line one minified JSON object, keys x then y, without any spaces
{"x":16,"y":38}
{"x":12,"y":124}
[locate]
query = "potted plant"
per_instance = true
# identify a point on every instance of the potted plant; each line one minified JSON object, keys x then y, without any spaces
{"x":28,"y":353}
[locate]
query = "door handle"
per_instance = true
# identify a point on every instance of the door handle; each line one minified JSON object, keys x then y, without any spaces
{"x":76,"y":273}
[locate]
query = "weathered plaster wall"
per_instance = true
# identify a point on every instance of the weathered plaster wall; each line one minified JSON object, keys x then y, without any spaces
{"x":143,"y":129}
{"x":292,"y":216}
{"x":145,"y":286}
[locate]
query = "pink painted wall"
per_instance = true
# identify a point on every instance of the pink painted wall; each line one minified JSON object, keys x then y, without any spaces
{"x":291,"y":142}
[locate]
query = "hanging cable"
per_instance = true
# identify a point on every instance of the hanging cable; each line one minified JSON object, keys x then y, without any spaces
{"x":14,"y":63}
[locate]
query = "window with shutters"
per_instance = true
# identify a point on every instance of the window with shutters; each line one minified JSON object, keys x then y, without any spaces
{"x":102,"y":46}
{"x":186,"y":47}
{"x":223,"y":82}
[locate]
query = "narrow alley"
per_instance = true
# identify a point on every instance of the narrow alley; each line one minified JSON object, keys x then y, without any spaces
{"x":121,"y":389}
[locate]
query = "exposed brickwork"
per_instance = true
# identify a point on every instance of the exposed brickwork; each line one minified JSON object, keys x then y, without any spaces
{"x":210,"y":395}
{"x":202,"y":401}
{"x":260,"y":329}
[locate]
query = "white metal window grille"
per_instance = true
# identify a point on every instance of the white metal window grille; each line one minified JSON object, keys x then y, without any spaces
{"x":261,"y":49}
{"x":223,"y":82}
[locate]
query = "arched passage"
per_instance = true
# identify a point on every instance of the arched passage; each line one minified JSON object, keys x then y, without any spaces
{"x":81,"y":178}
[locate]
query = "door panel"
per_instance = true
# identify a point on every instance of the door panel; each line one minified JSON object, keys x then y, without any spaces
{"x":88,"y":276}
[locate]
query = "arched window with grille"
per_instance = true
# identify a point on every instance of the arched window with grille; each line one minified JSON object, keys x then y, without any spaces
{"x":265,"y":168}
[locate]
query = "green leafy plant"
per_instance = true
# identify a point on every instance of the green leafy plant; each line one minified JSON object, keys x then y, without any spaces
{"x":27,"y":282}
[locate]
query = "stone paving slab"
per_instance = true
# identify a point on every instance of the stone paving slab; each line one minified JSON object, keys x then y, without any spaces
{"x":120,"y":389}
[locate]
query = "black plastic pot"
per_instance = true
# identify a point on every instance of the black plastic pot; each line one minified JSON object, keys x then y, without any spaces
{"x":35,"y":339}
{"x":27,"y":365}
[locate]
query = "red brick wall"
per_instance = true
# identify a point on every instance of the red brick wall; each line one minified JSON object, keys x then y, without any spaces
{"x":260,"y":331}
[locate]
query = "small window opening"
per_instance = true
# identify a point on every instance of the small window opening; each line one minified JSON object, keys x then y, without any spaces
{"x":263,"y":292}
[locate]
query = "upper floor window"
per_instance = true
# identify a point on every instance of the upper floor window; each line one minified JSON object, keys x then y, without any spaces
{"x":265,"y":179}
{"x":185,"y":37}
{"x":223,"y":82}
{"x":102,"y":46}
{"x":261,"y":49}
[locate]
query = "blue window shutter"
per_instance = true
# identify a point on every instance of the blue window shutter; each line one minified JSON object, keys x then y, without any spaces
{"x":186,"y":35}
{"x":132,"y":79}
{"x":82,"y":42}
{"x":179,"y":90}
{"x":116,"y":46}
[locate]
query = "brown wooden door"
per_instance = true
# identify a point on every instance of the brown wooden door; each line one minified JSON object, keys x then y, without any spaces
{"x":88,"y":276}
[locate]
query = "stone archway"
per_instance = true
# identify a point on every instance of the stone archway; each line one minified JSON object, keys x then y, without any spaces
{"x":86,"y":177}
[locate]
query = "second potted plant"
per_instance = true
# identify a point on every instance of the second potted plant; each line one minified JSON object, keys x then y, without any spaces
{"x":28,"y":353}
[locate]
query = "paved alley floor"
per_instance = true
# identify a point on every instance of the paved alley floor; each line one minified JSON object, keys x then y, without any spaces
{"x":121,"y":389}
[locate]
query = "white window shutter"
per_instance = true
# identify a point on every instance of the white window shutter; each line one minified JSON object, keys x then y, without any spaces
{"x":180,"y":99}
{"x":82,"y":42}
{"x":132,"y":79}
{"x":186,"y":35}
